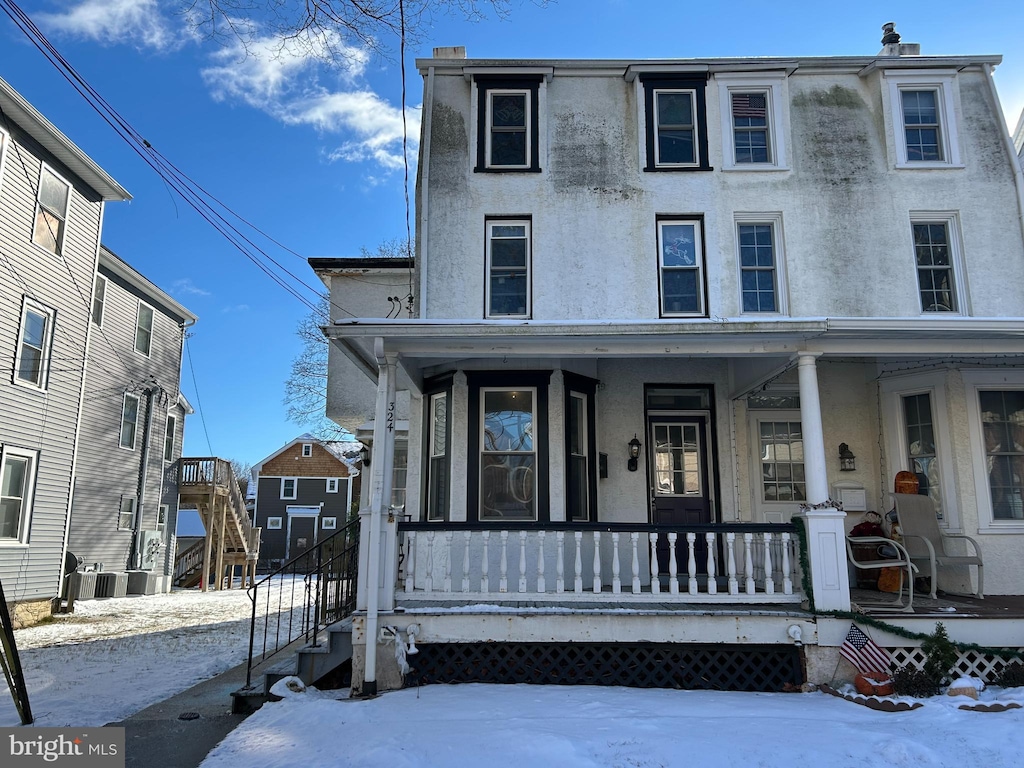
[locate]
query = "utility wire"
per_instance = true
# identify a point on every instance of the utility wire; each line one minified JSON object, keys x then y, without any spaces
{"x":199,"y":402}
{"x":198,"y":198}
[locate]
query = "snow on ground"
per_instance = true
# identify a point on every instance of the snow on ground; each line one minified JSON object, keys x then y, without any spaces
{"x":112,"y":658}
{"x":595,"y":727}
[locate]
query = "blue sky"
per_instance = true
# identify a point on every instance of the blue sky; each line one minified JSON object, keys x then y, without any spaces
{"x":313,"y":156}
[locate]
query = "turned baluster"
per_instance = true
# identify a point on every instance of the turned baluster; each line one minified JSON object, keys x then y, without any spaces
{"x":709,"y":537}
{"x":485,"y":566}
{"x":616,"y":581}
{"x":673,"y":566}
{"x":448,"y":560}
{"x":634,"y":539}
{"x":730,"y":540}
{"x":429,"y":584}
{"x":597,"y":563}
{"x":748,"y":562}
{"x":578,"y":564}
{"x":560,"y":562}
{"x":691,"y":562}
{"x":541,"y":586}
{"x":769,"y":582}
{"x":410,"y":555}
{"x":655,"y":580}
{"x":787,"y":571}
{"x":467,"y":537}
{"x":503,"y":576}
{"x":522,"y":561}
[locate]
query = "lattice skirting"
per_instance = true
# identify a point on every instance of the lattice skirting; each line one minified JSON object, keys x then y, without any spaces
{"x":983,"y":666}
{"x":639,"y":665}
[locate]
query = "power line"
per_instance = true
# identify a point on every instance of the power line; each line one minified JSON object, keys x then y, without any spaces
{"x":199,"y":402}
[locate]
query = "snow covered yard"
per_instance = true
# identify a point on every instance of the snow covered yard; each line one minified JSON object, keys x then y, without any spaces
{"x":113,"y":657}
{"x":595,"y":727}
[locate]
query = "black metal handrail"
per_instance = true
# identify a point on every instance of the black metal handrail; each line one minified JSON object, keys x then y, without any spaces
{"x":327,"y":594}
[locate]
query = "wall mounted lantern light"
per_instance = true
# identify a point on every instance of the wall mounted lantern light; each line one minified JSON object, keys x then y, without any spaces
{"x":847,"y":461}
{"x":364,"y":455}
{"x":634,"y":453}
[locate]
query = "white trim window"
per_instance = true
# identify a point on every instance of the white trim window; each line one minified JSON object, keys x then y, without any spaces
{"x":274,"y":523}
{"x":289,"y":487}
{"x":937,"y":259}
{"x":578,"y":450}
{"x":52,"y":200}
{"x":307,"y":450}
{"x":508,"y":453}
{"x":5,"y":139}
{"x":508,"y":134}
{"x":34,"y":344}
{"x":508,"y":268}
{"x":332,"y":485}
{"x":681,"y":268}
{"x":995,"y":410}
{"x":161,"y":516}
{"x":126,"y":514}
{"x":169,"y":430}
{"x":144,"y":329}
{"x":752,"y":119}
{"x":922,"y":110}
{"x":329,"y":523}
{"x":17,"y":484}
{"x":761,"y":263}
{"x":918,"y":441}
{"x":99,"y":296}
{"x":129,"y":421}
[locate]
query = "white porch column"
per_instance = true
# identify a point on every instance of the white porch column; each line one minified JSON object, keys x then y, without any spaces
{"x":377,"y":576}
{"x":826,"y":542}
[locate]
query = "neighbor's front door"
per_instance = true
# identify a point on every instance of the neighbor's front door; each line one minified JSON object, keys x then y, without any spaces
{"x":301,"y":534}
{"x":678,"y":457}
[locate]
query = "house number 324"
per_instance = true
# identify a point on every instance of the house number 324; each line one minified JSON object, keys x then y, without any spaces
{"x":391,"y":416}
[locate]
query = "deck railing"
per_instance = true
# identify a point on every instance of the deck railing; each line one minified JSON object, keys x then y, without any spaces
{"x":725,"y":563}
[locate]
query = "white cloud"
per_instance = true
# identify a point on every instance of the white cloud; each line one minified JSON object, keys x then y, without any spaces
{"x":284,"y":80}
{"x":115,"y":21}
{"x":185,"y":285}
{"x":235,"y":308}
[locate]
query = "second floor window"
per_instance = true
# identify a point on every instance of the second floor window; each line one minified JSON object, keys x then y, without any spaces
{"x":508,"y":268}
{"x":144,"y":329}
{"x":751,"y":142}
{"x":921,"y":127}
{"x":288,"y":490}
{"x":675,"y":114}
{"x":51,"y":211}
{"x":757,"y":268}
{"x":934,"y":256}
{"x":681,"y":260}
{"x":508,"y":124}
{"x":129,"y":421}
{"x":98,"y":298}
{"x":34,"y":345}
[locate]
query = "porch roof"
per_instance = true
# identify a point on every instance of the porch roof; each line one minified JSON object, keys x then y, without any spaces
{"x":421,"y":343}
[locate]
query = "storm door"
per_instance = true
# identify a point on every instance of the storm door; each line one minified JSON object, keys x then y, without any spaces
{"x":681,"y":494}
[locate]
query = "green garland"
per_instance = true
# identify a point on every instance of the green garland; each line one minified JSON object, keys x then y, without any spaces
{"x":860,"y":618}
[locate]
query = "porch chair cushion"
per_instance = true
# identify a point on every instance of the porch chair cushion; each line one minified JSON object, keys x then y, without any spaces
{"x":926,"y":543}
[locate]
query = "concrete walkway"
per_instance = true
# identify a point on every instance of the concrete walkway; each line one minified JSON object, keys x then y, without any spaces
{"x":156,"y":737}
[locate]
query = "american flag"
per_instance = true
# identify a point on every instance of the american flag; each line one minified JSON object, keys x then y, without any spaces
{"x":862,"y":652}
{"x":749,"y":105}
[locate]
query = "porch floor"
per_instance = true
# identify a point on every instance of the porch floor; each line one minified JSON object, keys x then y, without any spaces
{"x":945,"y":605}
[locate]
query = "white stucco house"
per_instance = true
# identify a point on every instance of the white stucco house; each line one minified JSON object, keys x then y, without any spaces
{"x":652,"y":299}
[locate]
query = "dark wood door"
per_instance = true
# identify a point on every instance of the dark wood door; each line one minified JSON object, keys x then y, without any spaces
{"x":301,"y":534}
{"x":680,"y":490}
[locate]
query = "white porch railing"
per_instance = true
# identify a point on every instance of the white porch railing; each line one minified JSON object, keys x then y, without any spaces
{"x":587,"y":562}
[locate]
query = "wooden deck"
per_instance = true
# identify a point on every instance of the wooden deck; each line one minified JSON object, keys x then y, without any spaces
{"x":947,"y":606}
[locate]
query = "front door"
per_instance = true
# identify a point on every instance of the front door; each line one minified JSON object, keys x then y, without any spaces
{"x":681,"y":494}
{"x":301,"y":533}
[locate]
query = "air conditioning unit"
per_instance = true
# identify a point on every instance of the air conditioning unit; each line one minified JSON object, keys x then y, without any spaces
{"x":143,"y":582}
{"x":152,"y":550}
{"x":111,"y":584}
{"x":81,"y":586}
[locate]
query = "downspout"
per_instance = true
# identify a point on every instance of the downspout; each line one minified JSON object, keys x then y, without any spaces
{"x":423,"y":198}
{"x":143,"y":476}
{"x":1018,"y":173}
{"x":171,"y":529}
{"x":380,"y":499}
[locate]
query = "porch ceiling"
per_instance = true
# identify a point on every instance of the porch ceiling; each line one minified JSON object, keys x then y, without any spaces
{"x":422,"y":343}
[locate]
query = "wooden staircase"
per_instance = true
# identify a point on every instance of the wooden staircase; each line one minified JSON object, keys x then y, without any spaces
{"x":208,"y":485}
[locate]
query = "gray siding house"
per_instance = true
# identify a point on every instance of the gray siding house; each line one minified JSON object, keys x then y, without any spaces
{"x":304,"y":492}
{"x":51,"y":212}
{"x":126,"y":494}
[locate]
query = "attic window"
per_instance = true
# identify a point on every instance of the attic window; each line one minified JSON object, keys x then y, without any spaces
{"x":307,"y":450}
